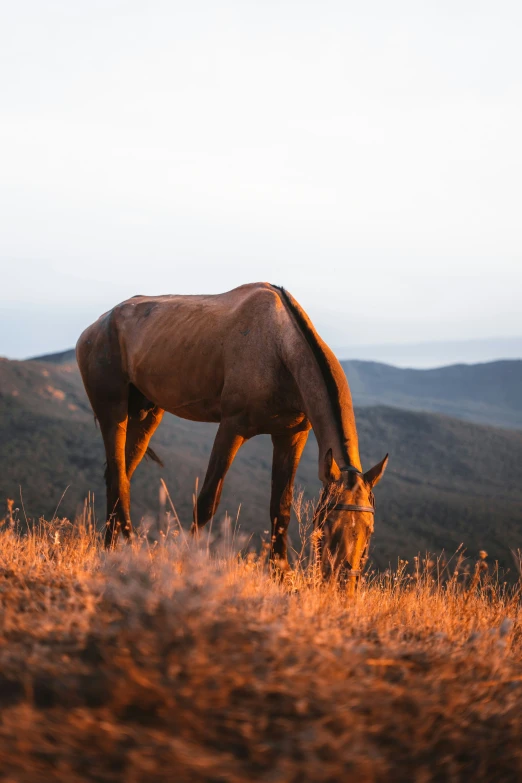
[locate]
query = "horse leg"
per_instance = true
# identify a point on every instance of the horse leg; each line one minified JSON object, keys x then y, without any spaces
{"x":109,"y":397}
{"x":226,"y":445}
{"x":288,"y":448}
{"x":114,"y":431}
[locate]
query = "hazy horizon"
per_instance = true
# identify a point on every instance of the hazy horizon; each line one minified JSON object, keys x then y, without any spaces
{"x":367,"y":158}
{"x":428,"y":355}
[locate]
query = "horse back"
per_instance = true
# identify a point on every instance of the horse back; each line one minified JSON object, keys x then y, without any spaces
{"x":196,"y":353}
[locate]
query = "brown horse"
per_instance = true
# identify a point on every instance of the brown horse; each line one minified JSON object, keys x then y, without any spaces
{"x":251,"y":360}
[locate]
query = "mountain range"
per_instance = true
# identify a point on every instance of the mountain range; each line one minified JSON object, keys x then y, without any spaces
{"x":450,"y":480}
{"x":489,"y":393}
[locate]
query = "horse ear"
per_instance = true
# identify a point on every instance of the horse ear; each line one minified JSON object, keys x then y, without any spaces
{"x":331,"y":469}
{"x":374,"y":475}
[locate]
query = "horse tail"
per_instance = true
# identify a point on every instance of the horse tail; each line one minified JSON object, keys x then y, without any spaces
{"x":151,"y":454}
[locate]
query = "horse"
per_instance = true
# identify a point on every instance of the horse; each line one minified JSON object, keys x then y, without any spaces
{"x":251,"y":360}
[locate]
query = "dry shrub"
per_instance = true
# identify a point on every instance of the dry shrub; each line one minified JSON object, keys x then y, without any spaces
{"x":167,"y":662}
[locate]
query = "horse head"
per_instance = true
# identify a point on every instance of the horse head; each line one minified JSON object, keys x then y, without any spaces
{"x":345,"y":517}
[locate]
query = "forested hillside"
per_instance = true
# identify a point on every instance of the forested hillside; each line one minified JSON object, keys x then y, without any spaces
{"x":448,"y":481}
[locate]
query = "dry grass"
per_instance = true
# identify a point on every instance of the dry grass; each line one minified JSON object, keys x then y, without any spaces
{"x":165,"y":663}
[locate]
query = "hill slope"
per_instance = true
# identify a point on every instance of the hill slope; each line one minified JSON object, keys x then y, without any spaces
{"x":448,"y":482}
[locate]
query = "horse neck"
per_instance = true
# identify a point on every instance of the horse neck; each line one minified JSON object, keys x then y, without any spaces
{"x":330,"y":410}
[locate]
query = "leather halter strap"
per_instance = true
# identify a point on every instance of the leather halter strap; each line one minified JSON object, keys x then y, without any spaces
{"x":350,"y":507}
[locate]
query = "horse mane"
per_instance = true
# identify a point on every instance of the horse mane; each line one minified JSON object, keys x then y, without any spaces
{"x":307,"y":329}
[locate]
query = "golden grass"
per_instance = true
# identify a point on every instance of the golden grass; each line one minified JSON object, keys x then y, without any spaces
{"x":170,"y":663}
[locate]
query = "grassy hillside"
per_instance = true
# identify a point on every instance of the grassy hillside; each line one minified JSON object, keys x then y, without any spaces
{"x":485,"y":393}
{"x":448,"y":481}
{"x":156,"y":664}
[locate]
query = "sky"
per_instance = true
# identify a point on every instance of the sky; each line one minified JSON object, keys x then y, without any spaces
{"x":367,"y":156}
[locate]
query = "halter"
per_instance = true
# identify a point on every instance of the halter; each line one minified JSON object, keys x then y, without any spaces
{"x":349,"y":506}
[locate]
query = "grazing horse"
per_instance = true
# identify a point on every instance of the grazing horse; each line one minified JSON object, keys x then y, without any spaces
{"x":251,"y":360}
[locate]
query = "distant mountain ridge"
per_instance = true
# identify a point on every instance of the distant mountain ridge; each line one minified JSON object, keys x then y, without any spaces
{"x":61,"y":357}
{"x":487,"y":393}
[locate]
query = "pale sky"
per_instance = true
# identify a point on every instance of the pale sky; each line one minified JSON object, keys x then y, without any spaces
{"x":367,"y":156}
